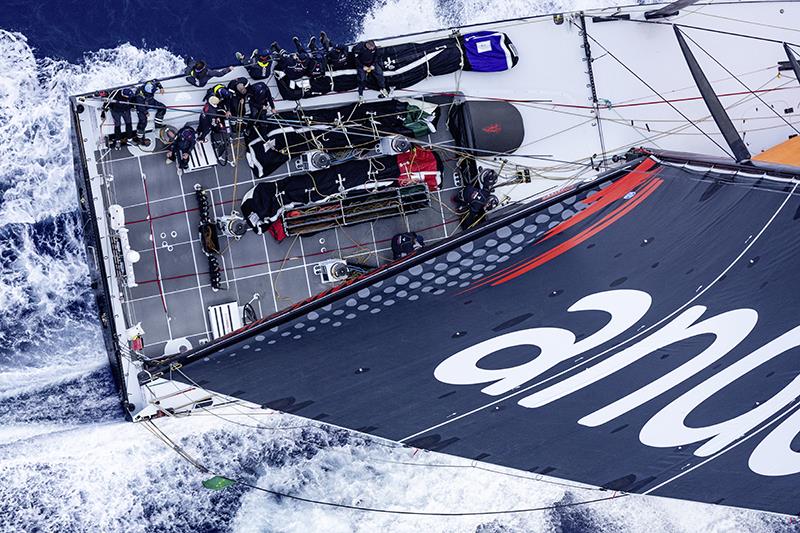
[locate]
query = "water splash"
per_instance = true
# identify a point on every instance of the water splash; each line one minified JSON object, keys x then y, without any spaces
{"x":72,"y":464}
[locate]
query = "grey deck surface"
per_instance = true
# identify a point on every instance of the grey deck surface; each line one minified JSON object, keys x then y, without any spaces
{"x":174,"y":292}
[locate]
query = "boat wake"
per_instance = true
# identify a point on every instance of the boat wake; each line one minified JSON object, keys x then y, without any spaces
{"x":69,"y":460}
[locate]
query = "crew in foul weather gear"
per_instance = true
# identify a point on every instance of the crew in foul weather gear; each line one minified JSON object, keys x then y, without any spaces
{"x":224,"y":95}
{"x":368,"y":58}
{"x":475,"y":199}
{"x":336,"y":56}
{"x":258,"y":66}
{"x":404,"y":244}
{"x":291,"y":66}
{"x":119,"y":103}
{"x":312,"y":57}
{"x":212,"y":121}
{"x":145,"y":100}
{"x":181,"y":147}
{"x":260,"y":99}
{"x":238,"y":89}
{"x":198,"y":73}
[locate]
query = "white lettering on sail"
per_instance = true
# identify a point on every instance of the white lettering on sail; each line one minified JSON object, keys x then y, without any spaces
{"x":625,"y":306}
{"x":729,"y":329}
{"x":774,"y":455}
{"x":667,"y":428}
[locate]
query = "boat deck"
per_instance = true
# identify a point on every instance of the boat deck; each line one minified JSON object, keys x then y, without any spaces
{"x":174,"y":292}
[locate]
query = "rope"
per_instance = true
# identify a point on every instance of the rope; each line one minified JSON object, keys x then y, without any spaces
{"x":743,"y":84}
{"x":164,"y":438}
{"x":236,"y":155}
{"x":659,"y":95}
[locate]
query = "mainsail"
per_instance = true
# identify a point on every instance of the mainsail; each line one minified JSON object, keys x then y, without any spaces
{"x":638,"y":336}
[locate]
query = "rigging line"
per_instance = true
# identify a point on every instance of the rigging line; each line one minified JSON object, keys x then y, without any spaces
{"x":750,"y":22}
{"x":659,"y":95}
{"x":450,"y":148}
{"x":742,"y":84}
{"x":711,"y":30}
{"x":164,"y":438}
{"x":236,"y":156}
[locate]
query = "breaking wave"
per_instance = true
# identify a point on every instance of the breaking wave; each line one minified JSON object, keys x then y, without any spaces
{"x":68,"y":460}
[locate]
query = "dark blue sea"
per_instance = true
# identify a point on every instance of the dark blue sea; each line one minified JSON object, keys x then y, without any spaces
{"x":68,"y":460}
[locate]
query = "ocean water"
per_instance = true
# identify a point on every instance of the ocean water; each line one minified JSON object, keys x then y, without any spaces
{"x":68,"y":460}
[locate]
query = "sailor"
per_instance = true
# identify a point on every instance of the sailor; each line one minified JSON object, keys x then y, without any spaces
{"x":119,"y":103}
{"x":198,"y":73}
{"x":290,"y":66}
{"x":238,"y":89}
{"x":224,"y":95}
{"x":258,"y":66}
{"x":260,"y":100}
{"x":212,"y":121}
{"x":145,"y":100}
{"x":368,"y":58}
{"x":337,"y":56}
{"x":181,"y":147}
{"x":313,"y":57}
{"x":404,"y":244}
{"x":476,"y":199}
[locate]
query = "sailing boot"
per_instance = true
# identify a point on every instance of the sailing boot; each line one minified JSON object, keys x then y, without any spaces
{"x":298,"y":44}
{"x":326,"y":42}
{"x":276,"y":50}
{"x":312,"y":44}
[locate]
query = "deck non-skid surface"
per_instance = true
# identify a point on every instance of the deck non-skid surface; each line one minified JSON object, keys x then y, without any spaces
{"x":174,"y":292}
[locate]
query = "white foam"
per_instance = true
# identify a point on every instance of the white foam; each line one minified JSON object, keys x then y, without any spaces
{"x":396,"y":17}
{"x":117,"y":477}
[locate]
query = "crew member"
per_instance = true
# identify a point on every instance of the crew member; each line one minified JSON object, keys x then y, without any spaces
{"x":368,"y":58}
{"x":212,"y":121}
{"x":238,"y":90}
{"x":312,"y":57}
{"x":145,"y":100}
{"x":260,"y":99}
{"x":336,"y":56}
{"x":119,"y":103}
{"x":198,"y":73}
{"x":182,"y":146}
{"x":475,"y":199}
{"x":223,"y":94}
{"x":404,"y":244}
{"x":258,"y":66}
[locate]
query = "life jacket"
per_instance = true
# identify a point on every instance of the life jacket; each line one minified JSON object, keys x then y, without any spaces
{"x":215,"y":90}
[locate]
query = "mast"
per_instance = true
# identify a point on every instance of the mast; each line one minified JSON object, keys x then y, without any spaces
{"x":718,"y":113}
{"x":587,"y":50}
{"x":792,"y":61}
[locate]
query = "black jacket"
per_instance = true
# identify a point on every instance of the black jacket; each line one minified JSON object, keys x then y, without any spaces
{"x":259,"y":97}
{"x":365,"y":57}
{"x":118,"y":103}
{"x":211,"y":119}
{"x":259,"y":71}
{"x":183,"y":146}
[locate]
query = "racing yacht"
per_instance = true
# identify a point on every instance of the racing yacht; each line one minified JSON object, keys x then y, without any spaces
{"x":618,"y":309}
